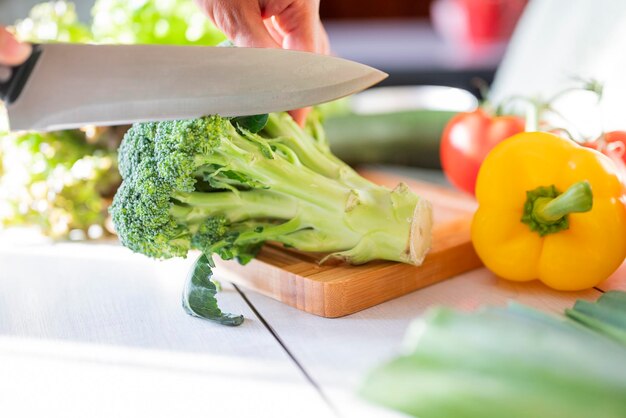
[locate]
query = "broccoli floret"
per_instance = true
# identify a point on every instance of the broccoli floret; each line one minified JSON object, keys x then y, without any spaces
{"x":137,"y":146}
{"x":210,"y":184}
{"x":143,"y":222}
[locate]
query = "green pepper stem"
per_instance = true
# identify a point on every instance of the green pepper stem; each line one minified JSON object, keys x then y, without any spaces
{"x":576,"y":199}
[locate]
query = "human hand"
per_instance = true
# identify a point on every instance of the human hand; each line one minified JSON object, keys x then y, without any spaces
{"x":289,"y":24}
{"x":12,"y":52}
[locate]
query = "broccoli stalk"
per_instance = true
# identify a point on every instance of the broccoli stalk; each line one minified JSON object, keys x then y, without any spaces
{"x":207,"y":184}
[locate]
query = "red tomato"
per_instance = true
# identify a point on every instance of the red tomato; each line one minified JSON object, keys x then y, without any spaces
{"x":467,"y":140}
{"x":612,"y":144}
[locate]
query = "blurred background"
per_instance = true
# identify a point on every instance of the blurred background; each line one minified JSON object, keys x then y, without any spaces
{"x":440,"y":56}
{"x":416,"y":42}
{"x":62,"y":182}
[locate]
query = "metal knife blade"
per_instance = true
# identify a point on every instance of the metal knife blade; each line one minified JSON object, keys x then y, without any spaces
{"x":76,"y":85}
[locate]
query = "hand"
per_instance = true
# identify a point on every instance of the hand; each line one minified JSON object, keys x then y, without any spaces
{"x":12,"y":52}
{"x":289,"y":24}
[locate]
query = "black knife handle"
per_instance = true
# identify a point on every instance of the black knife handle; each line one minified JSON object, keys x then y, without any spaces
{"x":13,"y":79}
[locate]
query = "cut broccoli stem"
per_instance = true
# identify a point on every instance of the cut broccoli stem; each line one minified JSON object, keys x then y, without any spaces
{"x":373,"y":223}
{"x":370,"y":226}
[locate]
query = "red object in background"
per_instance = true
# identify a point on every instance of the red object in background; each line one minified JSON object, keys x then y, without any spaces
{"x":477,"y":22}
{"x":466,"y":141}
{"x":613,"y":145}
{"x":492,"y":20}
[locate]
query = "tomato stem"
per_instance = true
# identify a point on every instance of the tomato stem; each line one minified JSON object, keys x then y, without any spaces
{"x":591,"y":85}
{"x":533,"y":115}
{"x":537,"y":108}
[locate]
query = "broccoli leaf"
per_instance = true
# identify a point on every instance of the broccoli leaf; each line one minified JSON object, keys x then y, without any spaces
{"x":199,"y":295}
{"x":254,"y":123}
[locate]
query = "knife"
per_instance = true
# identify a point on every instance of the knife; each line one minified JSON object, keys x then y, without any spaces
{"x":64,"y":86}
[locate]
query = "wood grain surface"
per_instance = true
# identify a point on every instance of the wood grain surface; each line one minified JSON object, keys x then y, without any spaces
{"x":299,"y":280}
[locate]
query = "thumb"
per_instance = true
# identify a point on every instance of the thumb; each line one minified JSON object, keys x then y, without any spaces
{"x":240,"y":21}
{"x":253,"y":33}
{"x":12,"y":52}
{"x":299,"y":23}
{"x":310,"y":36}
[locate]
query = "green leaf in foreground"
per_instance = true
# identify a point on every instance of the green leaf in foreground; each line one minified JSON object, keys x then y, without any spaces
{"x":498,"y":362}
{"x":607,"y":315}
{"x":199,"y":295}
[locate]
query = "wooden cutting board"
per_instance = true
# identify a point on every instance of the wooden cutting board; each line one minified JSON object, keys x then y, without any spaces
{"x":332,"y":291}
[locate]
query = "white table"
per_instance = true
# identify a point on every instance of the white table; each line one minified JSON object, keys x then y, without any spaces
{"x":92,"y":330}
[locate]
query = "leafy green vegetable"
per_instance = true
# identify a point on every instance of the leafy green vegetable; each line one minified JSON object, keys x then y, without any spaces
{"x":178,"y":22}
{"x":607,"y":315}
{"x":59,"y":181}
{"x":54,"y":21}
{"x":514,"y":363}
{"x":199,"y":295}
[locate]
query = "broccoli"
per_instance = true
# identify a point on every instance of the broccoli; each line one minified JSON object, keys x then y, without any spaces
{"x":211,"y":184}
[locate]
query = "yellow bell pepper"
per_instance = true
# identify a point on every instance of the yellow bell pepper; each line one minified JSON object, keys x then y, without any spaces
{"x":551,"y":210}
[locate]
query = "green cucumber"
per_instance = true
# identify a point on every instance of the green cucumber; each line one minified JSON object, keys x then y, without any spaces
{"x":406,"y":138}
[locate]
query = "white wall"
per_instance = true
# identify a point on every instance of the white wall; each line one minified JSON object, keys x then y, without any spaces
{"x":559,"y":39}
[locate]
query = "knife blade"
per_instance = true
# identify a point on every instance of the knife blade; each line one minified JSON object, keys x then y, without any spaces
{"x":66,"y":86}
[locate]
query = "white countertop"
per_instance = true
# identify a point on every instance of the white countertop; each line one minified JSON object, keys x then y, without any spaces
{"x":94,"y":330}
